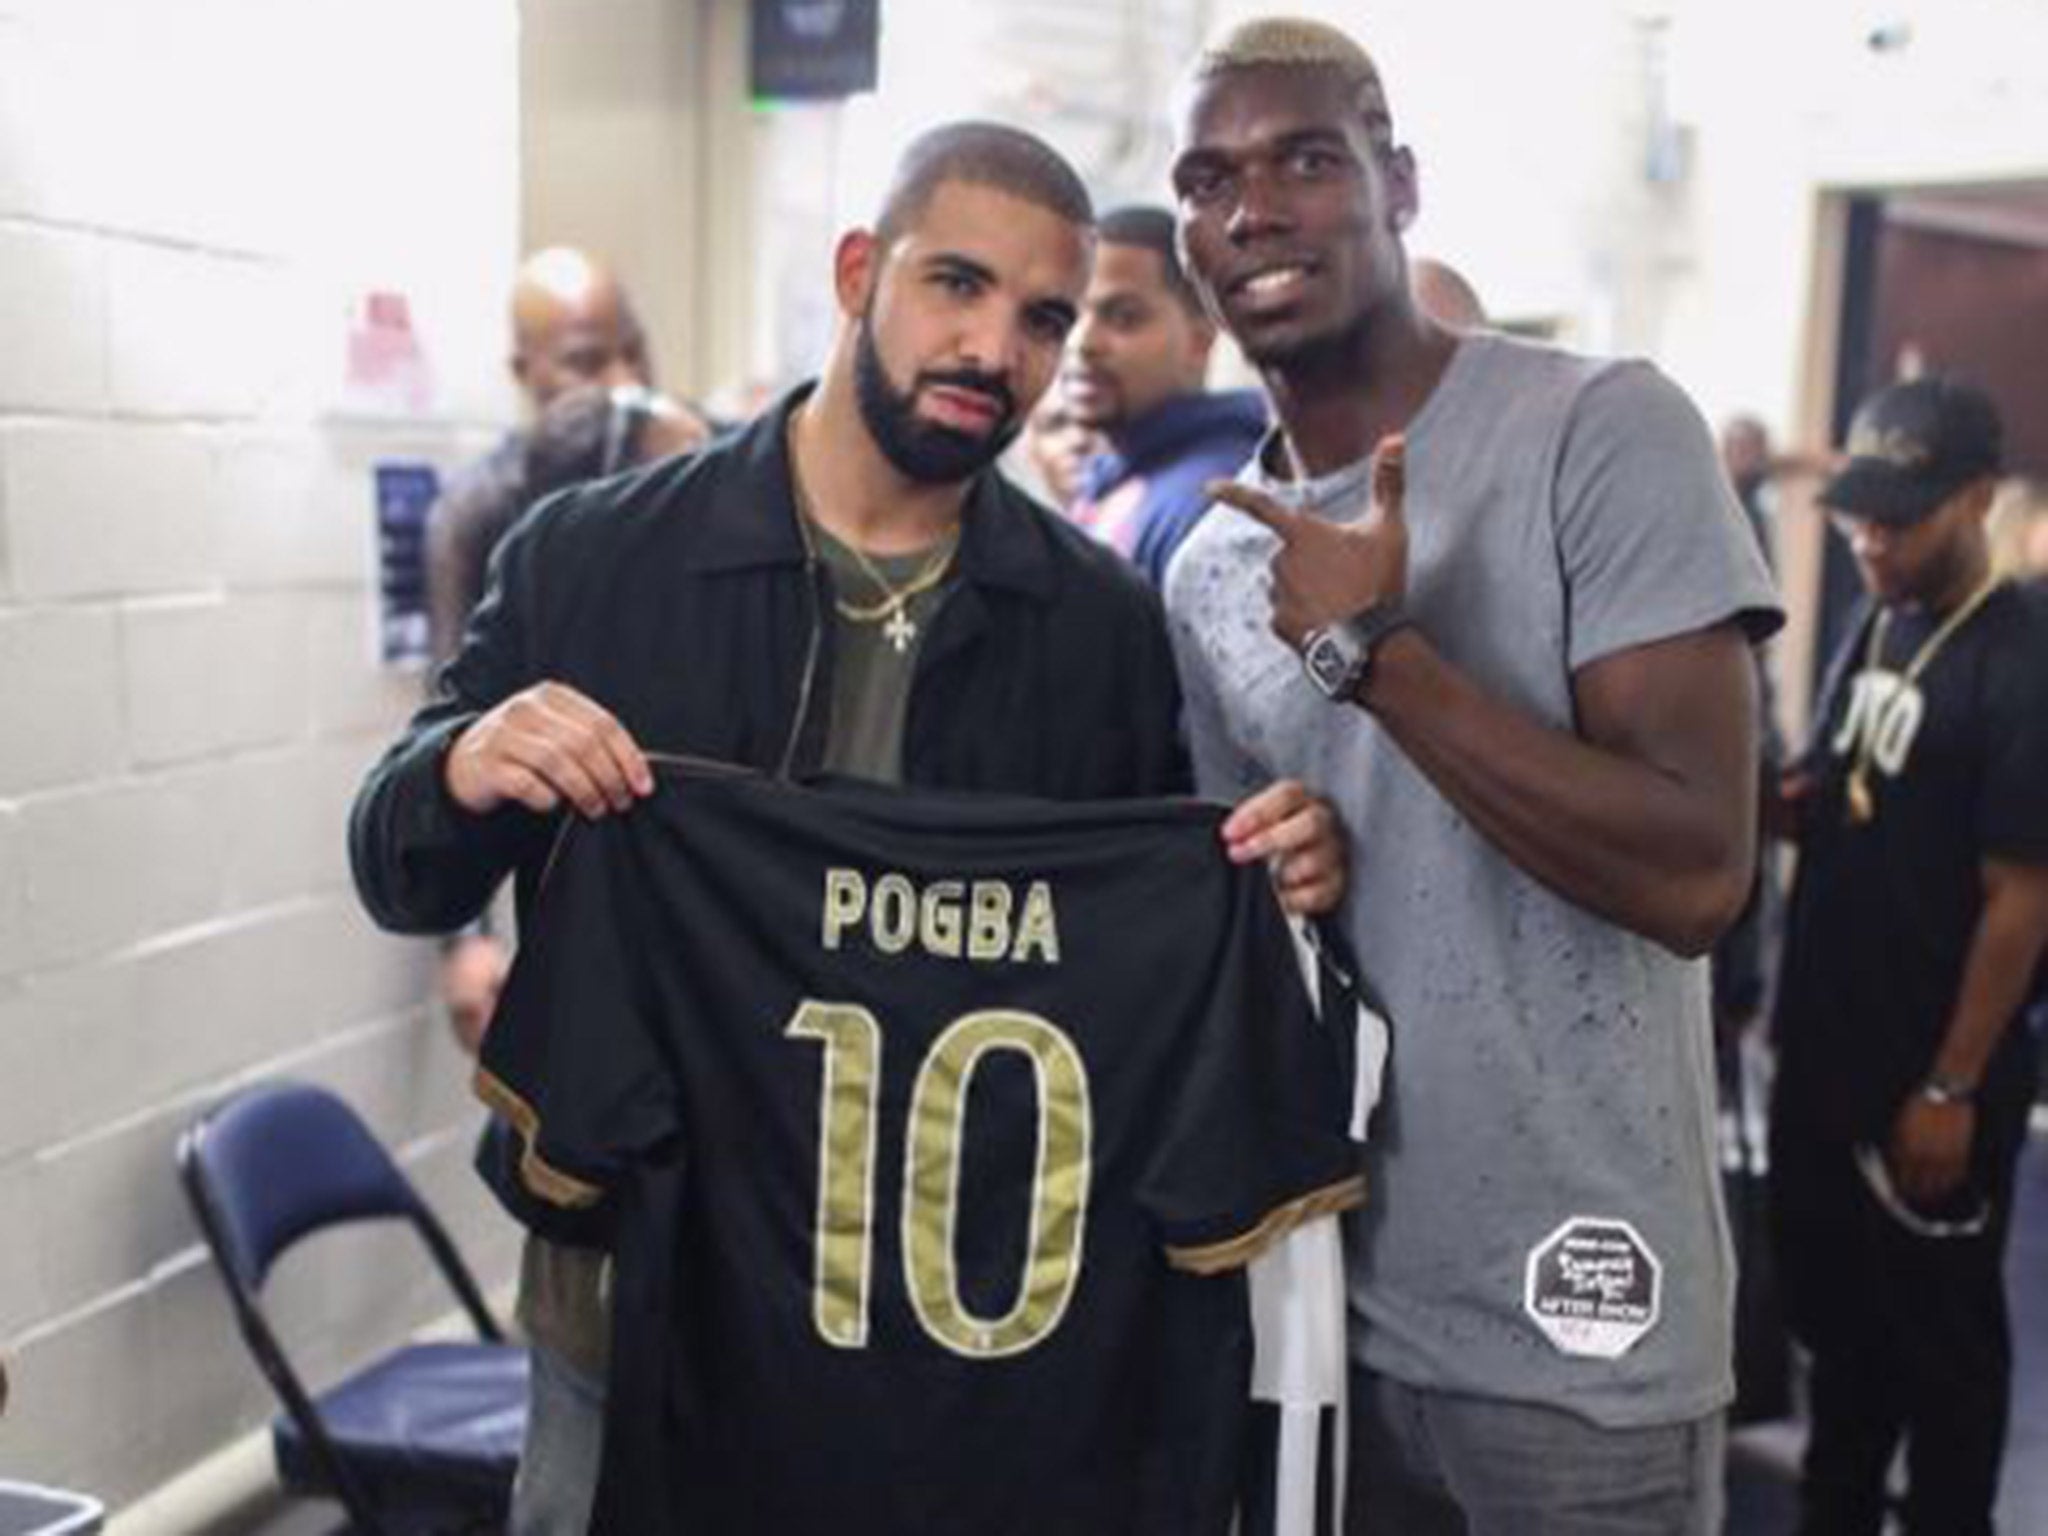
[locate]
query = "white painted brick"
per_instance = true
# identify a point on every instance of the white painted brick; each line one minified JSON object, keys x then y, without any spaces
{"x":13,"y":895}
{"x":60,"y":697}
{"x":105,"y":509}
{"x":71,"y":1044}
{"x":53,"y":320}
{"x":214,"y":674}
{"x":82,"y":882}
{"x":108,"y":1208}
{"x":58,"y":154}
{"x":22,"y":1299}
{"x":223,"y":836}
{"x":367,"y":974}
{"x":486,"y":1237}
{"x":253,"y":992}
{"x":225,"y":999}
{"x":276,"y":828}
{"x":79,"y":1416}
{"x":291,"y":513}
{"x":342,"y":1296}
{"x":192,"y":333}
{"x":204,"y":1387}
{"x":351,"y":691}
{"x":338,"y":767}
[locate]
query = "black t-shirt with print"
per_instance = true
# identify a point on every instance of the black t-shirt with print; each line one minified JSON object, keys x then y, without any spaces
{"x":943,"y":1125}
{"x":1883,"y":910}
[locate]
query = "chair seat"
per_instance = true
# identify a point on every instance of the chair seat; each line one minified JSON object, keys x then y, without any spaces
{"x":441,"y":1421}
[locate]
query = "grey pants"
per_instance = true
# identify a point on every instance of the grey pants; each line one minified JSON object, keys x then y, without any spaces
{"x":1435,"y":1464}
{"x":557,"y":1481}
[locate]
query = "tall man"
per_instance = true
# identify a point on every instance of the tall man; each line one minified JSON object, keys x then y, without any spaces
{"x":1918,"y":917}
{"x":1135,"y":373}
{"x":1523,"y":675}
{"x":844,"y":584}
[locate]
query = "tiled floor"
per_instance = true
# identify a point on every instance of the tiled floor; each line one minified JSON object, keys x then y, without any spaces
{"x":1762,"y":1461}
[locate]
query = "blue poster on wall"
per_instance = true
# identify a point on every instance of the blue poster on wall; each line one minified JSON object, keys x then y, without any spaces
{"x":404,"y":493}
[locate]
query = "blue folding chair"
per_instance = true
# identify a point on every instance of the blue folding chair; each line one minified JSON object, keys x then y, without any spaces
{"x":423,"y":1439}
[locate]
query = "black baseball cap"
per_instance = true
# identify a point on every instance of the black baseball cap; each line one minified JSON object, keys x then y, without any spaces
{"x":1913,"y":446}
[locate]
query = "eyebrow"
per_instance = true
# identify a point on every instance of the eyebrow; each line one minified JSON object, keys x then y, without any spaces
{"x":1305,"y":138}
{"x":963,"y":266}
{"x":1058,"y":309}
{"x":1204,"y":155}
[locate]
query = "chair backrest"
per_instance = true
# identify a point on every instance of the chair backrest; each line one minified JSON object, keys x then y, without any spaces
{"x":281,"y":1160}
{"x":278,"y":1162}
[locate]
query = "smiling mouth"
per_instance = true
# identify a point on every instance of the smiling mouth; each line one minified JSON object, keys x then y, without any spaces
{"x":1271,"y":284}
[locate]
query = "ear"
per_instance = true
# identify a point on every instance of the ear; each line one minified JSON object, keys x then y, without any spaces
{"x":856,"y":262}
{"x":1404,"y":194}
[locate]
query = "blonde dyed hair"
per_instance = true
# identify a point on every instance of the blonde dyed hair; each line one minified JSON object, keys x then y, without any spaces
{"x":1295,"y":42}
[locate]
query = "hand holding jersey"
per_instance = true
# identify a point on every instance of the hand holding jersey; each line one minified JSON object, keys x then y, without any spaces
{"x":544,"y":745}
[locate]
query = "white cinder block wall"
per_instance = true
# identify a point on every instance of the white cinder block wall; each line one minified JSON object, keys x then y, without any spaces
{"x":193,"y":193}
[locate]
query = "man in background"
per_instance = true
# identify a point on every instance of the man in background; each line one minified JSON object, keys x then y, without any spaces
{"x":1918,"y":916}
{"x":1135,"y":372}
{"x":1442,"y":293}
{"x":579,"y":356}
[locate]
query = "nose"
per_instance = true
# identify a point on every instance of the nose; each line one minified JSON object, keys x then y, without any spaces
{"x":1086,"y":340}
{"x":620,"y":370}
{"x":992,"y":341}
{"x":1259,"y":209}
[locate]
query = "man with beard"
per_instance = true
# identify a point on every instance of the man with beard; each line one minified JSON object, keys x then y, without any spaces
{"x":846,"y":584}
{"x":1136,"y":373}
{"x":1515,"y":654}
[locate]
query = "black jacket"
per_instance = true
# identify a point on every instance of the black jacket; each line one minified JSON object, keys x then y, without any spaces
{"x":682,"y":598}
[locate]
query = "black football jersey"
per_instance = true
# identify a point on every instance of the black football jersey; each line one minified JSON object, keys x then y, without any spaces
{"x":939,"y":1129}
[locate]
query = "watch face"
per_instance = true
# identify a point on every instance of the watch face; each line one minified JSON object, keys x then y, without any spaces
{"x":1331,"y":665}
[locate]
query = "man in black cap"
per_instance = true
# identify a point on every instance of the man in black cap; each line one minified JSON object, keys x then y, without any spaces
{"x":1919,"y":914}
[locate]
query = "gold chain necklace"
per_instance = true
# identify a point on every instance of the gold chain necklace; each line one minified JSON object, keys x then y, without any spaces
{"x":1862,"y":802}
{"x":901,"y":628}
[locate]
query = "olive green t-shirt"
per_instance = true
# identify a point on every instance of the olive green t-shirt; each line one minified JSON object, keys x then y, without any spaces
{"x":875,"y":654}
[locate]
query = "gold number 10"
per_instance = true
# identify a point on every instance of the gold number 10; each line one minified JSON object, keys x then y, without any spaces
{"x":852,"y":1038}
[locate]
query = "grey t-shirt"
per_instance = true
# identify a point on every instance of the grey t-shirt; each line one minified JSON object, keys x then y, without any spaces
{"x":1545,"y":1222}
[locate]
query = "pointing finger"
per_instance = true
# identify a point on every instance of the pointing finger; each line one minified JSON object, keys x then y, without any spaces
{"x":1390,"y":474}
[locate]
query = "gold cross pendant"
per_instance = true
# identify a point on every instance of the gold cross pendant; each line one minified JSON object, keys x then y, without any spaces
{"x":900,"y":631}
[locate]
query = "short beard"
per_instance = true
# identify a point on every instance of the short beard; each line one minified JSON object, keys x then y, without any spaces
{"x":921,"y":450}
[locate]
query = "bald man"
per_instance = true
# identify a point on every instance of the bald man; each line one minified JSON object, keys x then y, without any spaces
{"x":579,"y":356}
{"x":1443,"y":294}
{"x":572,"y":326}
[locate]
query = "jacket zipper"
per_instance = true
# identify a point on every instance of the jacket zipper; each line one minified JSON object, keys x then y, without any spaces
{"x":803,"y":694}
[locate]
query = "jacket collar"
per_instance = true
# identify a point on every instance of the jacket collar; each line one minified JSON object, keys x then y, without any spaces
{"x":750,"y":517}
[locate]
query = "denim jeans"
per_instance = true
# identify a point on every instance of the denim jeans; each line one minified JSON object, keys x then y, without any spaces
{"x":1437,"y":1464}
{"x":557,"y":1481}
